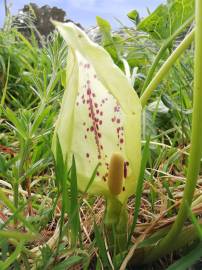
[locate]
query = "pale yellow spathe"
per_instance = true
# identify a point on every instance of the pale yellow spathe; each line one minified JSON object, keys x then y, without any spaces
{"x":100,"y":115}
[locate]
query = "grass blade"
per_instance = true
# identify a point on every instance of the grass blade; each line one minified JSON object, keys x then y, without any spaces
{"x":140,"y":186}
{"x":92,"y":178}
{"x":17,"y":235}
{"x":74,"y":206}
{"x":101,"y":246}
{"x":66,"y":264}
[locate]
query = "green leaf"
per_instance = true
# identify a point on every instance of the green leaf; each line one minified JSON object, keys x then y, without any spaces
{"x":104,"y":25}
{"x":3,"y":164}
{"x":60,"y":168}
{"x":68,"y":263}
{"x":166,"y":19}
{"x":134,"y":16}
{"x":4,"y":249}
{"x":188,"y":260}
{"x":107,"y":39}
{"x":13,"y":118}
{"x":40,"y":117}
{"x":63,"y":77}
{"x":17,"y":235}
{"x":46,"y":256}
{"x":92,"y":178}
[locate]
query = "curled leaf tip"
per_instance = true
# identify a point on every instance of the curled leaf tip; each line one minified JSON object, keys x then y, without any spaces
{"x":116,"y":173}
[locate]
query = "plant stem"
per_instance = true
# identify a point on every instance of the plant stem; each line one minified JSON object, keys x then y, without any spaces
{"x":29,"y":202}
{"x":6,"y":84}
{"x":187,"y":235}
{"x":168,"y":243}
{"x":23,"y":157}
{"x":116,"y":225}
{"x":165,"y":67}
{"x":15,"y":198}
{"x":162,"y":50}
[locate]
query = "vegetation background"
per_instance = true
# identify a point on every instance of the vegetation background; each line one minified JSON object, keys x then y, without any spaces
{"x":34,"y":231}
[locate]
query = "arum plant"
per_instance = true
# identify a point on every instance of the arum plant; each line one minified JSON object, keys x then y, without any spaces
{"x":99,"y":124}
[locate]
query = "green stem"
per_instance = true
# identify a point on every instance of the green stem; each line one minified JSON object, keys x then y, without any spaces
{"x":116,"y":225}
{"x":165,"y":67}
{"x":162,"y":50}
{"x":23,"y":158}
{"x":169,"y":241}
{"x":6,"y":84}
{"x":16,"y":194}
